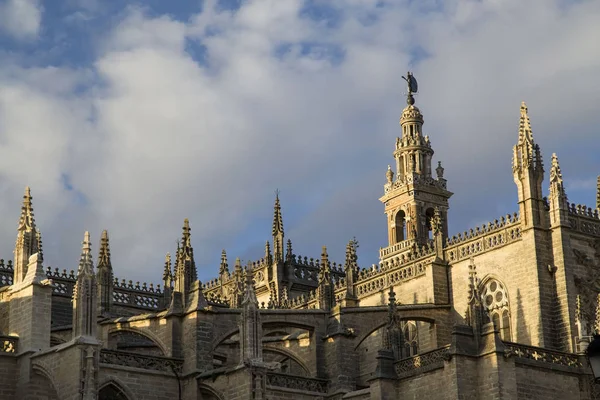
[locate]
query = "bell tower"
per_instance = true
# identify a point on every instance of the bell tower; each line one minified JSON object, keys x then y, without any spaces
{"x":411,"y":194}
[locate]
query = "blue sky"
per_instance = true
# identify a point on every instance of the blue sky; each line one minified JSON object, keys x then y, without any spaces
{"x":132,"y":116}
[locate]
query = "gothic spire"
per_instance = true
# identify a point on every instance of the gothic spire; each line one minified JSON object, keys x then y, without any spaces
{"x":324,"y":289}
{"x":277,"y":231}
{"x":85,"y":294}
{"x":105,"y":274}
{"x":86,"y":265}
{"x":104,"y":252}
{"x":27,"y":243}
{"x":250,"y":325}
{"x":527,"y":153}
{"x":277,"y":217}
{"x":185,"y":270}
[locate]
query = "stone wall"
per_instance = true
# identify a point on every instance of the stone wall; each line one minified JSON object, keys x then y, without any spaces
{"x":541,"y":383}
{"x":8,"y":375}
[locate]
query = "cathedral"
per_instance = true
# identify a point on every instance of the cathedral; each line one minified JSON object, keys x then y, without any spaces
{"x":505,"y":310}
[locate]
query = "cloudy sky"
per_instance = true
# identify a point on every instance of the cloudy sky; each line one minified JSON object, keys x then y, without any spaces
{"x":131,"y":116}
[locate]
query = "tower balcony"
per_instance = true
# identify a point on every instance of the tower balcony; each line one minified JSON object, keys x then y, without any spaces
{"x":385,"y":252}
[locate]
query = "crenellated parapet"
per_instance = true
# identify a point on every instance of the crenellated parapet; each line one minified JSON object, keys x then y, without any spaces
{"x":494,"y":234}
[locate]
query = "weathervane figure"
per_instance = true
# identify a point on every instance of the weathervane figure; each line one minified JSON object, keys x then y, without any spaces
{"x":412,"y":87}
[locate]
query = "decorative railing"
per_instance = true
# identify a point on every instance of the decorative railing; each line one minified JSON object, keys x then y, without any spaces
{"x":6,"y":273}
{"x":296,"y":382}
{"x":545,"y":355}
{"x":128,"y":359}
{"x":496,"y":234}
{"x":145,"y":297}
{"x":9,"y":344}
{"x":396,"y":248}
{"x":408,"y":366}
{"x":584,"y":219}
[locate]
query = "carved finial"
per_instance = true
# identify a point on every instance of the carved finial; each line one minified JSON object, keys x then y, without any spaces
{"x":224,"y":268}
{"x":167,"y":273}
{"x":289,"y":252}
{"x":26,"y":221}
{"x":268,"y":255}
{"x":598,"y":193}
{"x":473,"y":289}
{"x":325,"y":270}
{"x":277,"y":217}
{"x":524,"y":125}
{"x":392,"y":306}
{"x":249,"y":294}
{"x":351,"y":257}
{"x":439,"y":170}
{"x":436,"y":222}
{"x":38,"y":236}
{"x":86,"y":265}
{"x":238,"y":265}
{"x":597,"y":321}
{"x":556,"y":179}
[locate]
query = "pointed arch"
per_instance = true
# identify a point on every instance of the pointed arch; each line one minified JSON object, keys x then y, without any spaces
{"x":289,"y":355}
{"x":495,"y":300}
{"x":400,"y":223}
{"x":114,"y":389}
{"x":148,"y":335}
{"x":212,"y":393}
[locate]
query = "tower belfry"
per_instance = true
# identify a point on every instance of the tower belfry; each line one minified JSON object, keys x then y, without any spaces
{"x":412,"y":194}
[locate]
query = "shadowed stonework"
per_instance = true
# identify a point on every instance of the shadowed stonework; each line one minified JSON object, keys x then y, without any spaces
{"x":502,"y":311}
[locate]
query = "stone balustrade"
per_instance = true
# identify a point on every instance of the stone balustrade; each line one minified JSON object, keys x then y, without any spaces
{"x":296,"y":382}
{"x":143,"y":361}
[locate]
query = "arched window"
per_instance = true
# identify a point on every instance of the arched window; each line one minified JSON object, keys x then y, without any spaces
{"x":111,"y":392}
{"x":400,"y":226}
{"x":411,"y":339}
{"x":429,"y":213}
{"x":495,"y":300}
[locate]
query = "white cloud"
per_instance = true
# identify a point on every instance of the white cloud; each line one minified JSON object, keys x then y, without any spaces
{"x":158,"y":136}
{"x":21,"y":18}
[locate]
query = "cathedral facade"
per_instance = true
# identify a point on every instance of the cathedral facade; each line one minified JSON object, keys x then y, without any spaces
{"x":502,"y":311}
